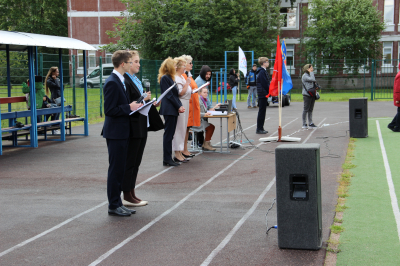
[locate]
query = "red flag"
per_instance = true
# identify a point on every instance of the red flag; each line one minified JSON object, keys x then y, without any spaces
{"x":277,"y":75}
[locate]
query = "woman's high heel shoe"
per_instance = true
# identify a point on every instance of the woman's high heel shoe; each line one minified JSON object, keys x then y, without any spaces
{"x":188,"y":156}
{"x":180,"y":161}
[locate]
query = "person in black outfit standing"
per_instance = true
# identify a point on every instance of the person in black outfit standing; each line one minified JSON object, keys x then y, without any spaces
{"x":53,"y":86}
{"x":171,"y":106}
{"x":116,"y":128}
{"x":137,"y":135}
{"x":263,"y":81}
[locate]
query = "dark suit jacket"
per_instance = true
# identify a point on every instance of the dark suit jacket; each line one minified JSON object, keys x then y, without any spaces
{"x":171,"y":103}
{"x":138,"y":122}
{"x":116,"y":109}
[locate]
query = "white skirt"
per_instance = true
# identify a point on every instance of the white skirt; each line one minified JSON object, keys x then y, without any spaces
{"x":181,"y":125}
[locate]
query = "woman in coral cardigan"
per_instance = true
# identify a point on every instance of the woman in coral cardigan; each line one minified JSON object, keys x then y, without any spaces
{"x":194,"y":105}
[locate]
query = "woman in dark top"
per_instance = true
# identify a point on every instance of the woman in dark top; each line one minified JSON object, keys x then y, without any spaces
{"x":53,"y":83}
{"x":233,"y":82}
{"x":137,"y":135}
{"x":53,"y":86}
{"x":171,"y":106}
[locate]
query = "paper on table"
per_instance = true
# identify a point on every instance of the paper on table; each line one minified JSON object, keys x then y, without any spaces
{"x":144,"y":109}
{"x":202,"y":86}
{"x":217,"y":112}
{"x":164,"y":93}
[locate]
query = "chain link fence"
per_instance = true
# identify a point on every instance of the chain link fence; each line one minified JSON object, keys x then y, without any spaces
{"x":369,"y":77}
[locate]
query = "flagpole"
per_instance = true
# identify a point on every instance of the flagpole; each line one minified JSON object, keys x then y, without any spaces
{"x":280,"y":113}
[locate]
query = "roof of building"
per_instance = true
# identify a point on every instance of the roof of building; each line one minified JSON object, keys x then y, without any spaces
{"x":19,"y":41}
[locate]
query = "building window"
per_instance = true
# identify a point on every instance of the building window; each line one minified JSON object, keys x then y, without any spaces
{"x":80,"y":58}
{"x":108,"y":58}
{"x":387,"y":53}
{"x":92,"y":59}
{"x":289,"y":19}
{"x":289,"y":55}
{"x":389,"y":12}
{"x":388,"y":15}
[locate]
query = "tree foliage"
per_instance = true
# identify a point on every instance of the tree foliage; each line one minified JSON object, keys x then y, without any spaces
{"x":35,"y":16}
{"x":202,"y":28}
{"x":343,"y":29}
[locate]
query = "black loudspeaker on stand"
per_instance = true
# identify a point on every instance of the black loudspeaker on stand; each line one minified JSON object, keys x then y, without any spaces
{"x":298,"y":196}
{"x":358,"y":117}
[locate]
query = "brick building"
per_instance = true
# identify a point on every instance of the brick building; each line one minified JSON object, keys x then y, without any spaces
{"x":89,"y":21}
{"x":294,"y":26}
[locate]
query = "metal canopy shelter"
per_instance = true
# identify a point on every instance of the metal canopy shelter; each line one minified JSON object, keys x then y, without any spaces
{"x":21,"y":41}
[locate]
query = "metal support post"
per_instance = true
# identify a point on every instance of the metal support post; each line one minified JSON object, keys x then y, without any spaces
{"x":62,"y":126}
{"x":86,"y":123}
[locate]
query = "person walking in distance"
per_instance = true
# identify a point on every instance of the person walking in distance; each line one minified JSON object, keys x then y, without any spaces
{"x":252,"y":86}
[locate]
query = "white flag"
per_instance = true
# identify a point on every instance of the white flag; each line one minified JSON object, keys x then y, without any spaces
{"x":242,"y":62}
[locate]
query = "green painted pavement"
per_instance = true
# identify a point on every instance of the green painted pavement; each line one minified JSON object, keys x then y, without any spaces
{"x":370,"y":234}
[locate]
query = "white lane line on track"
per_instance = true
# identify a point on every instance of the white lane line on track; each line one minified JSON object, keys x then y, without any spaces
{"x":81,"y":214}
{"x":313,"y":131}
{"x":392,"y":192}
{"x":158,"y":218}
{"x":237,"y":226}
{"x":71,"y":219}
{"x":226,"y":240}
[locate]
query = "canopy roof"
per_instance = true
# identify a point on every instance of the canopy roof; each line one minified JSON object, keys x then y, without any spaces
{"x":19,"y":41}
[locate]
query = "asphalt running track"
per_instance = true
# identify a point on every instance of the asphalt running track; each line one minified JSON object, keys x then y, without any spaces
{"x":210,"y":211}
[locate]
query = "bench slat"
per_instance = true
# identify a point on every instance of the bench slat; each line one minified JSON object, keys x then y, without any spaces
{"x":16,"y":99}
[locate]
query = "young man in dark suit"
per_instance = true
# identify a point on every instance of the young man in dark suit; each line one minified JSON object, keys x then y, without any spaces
{"x":117,"y":108}
{"x":263,"y":81}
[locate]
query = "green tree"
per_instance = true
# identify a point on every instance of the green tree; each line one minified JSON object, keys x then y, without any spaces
{"x":343,"y":29}
{"x":202,"y":28}
{"x":35,"y":16}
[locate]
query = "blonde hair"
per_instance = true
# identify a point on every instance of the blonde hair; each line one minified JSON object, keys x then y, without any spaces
{"x":180,"y":61}
{"x":51,"y":71}
{"x":134,"y":53}
{"x":188,"y":58}
{"x":262,"y":60}
{"x":167,"y":68}
{"x":204,"y":88}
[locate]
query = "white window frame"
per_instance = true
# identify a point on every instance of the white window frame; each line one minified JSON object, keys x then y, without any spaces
{"x":296,"y":27}
{"x":91,"y":64}
{"x":79,"y":57}
{"x":391,"y":55}
{"x":290,"y":68}
{"x":108,"y":55}
{"x":389,"y":25}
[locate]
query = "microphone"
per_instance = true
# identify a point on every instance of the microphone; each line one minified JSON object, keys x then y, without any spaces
{"x":144,"y":95}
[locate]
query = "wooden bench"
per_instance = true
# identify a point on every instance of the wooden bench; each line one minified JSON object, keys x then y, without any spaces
{"x":42,"y":126}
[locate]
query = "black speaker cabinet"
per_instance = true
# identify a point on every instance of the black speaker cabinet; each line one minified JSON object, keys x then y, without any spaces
{"x":298,"y":196}
{"x":358,"y":117}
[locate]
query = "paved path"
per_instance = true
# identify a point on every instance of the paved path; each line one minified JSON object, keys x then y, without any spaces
{"x":208,"y":211}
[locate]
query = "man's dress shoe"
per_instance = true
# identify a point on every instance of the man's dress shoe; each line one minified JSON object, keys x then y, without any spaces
{"x":170,"y":163}
{"x":261,"y":132}
{"x":128,"y":210}
{"x":118,"y":212}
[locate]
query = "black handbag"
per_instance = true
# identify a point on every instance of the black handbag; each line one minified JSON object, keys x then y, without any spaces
{"x":313,"y":91}
{"x":155,"y":120}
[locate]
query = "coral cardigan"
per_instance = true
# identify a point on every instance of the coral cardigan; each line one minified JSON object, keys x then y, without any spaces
{"x":194,"y":106}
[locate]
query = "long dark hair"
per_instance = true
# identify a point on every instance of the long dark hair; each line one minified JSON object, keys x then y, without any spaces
{"x":51,"y":71}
